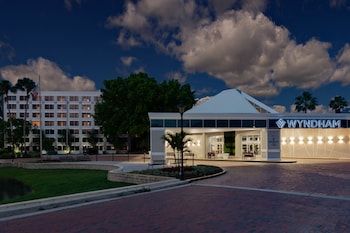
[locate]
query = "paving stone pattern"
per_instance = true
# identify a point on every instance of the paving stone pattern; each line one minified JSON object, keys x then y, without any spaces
{"x":219,"y":204}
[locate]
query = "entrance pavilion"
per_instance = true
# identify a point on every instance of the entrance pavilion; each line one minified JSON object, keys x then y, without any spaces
{"x":234,"y":125}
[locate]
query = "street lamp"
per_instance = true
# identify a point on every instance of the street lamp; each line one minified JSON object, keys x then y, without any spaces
{"x":181,"y":107}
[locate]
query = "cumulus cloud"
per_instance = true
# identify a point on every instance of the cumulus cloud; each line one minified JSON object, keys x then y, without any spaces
{"x":180,"y":77}
{"x":52,"y":77}
{"x":232,"y":41}
{"x":342,"y":73}
{"x":279,"y":108}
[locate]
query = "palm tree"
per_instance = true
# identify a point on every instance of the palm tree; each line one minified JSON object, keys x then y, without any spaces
{"x":27,"y":85}
{"x":6,"y":87}
{"x":176,"y":141}
{"x":305,"y":102}
{"x":337,"y":103}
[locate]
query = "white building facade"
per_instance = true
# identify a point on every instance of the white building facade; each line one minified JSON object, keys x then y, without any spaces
{"x":234,"y":124}
{"x":55,"y":112}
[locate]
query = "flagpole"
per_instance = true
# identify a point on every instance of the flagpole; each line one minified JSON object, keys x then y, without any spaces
{"x":40,"y":129}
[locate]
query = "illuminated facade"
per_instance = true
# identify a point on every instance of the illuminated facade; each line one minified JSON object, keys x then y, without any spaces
{"x":56,"y":112}
{"x":234,"y":124}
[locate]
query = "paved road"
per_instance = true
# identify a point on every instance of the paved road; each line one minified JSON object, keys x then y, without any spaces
{"x":251,"y":197}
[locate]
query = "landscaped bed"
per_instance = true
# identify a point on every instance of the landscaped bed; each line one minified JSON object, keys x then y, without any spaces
{"x":190,"y":172}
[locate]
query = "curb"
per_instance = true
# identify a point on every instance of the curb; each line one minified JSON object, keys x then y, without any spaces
{"x":26,"y":207}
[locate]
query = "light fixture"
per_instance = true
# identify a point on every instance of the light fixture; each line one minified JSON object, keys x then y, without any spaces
{"x":301,"y":140}
{"x":309,"y":140}
{"x":291,"y":139}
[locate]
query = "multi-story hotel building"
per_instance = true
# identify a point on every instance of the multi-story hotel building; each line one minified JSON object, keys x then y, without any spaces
{"x":55,"y":112}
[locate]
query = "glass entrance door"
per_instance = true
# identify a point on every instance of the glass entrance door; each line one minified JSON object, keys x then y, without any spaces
{"x":251,"y":144}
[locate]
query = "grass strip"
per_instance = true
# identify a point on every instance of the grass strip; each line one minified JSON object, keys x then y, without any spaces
{"x":56,"y":182}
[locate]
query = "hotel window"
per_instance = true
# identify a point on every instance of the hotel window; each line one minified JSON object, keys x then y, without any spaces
{"x":73,"y":98}
{"x":209,"y":123}
{"x":49,"y":123}
{"x":86,"y":99}
{"x":222,"y":123}
{"x":49,"y":114}
{"x":76,"y":139}
{"x":196,"y":123}
{"x":23,"y":97}
{"x":74,"y":106}
{"x":97,"y":98}
{"x":36,"y":124}
{"x":11,"y":106}
{"x":85,"y":131}
{"x":21,"y":115}
{"x":49,"y":98}
{"x":49,"y":131}
{"x":74,"y":115}
{"x":11,"y":98}
{"x":11,"y":115}
{"x":36,"y":106}
{"x":86,"y":123}
{"x":35,"y":115}
{"x":61,"y":115}
{"x":49,"y":106}
{"x":61,"y":98}
{"x":235,"y":123}
{"x":61,"y":106}
{"x":75,"y":131}
{"x":85,"y":115}
{"x":23,"y":106}
{"x":61,"y":123}
{"x":74,"y":123}
{"x":86,"y":107}
{"x":247,"y":123}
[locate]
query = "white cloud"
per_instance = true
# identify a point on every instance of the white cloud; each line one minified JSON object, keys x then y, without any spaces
{"x":127,"y":61}
{"x":306,"y":66}
{"x":342,"y":72}
{"x":242,"y":46}
{"x":177,"y":76}
{"x":52,"y":77}
{"x":68,"y":4}
{"x":319,"y":109}
{"x":279,"y":108}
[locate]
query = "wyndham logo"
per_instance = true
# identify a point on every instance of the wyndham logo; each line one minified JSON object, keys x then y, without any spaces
{"x":281,"y":123}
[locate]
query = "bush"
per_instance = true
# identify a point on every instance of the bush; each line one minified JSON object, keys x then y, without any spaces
{"x":189,"y":171}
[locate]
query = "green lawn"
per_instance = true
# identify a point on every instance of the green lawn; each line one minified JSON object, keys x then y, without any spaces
{"x":56,"y":182}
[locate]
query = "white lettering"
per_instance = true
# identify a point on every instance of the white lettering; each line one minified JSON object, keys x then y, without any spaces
{"x":313,"y":123}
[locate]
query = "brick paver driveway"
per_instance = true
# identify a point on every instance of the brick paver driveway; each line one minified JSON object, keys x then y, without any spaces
{"x":250,"y":197}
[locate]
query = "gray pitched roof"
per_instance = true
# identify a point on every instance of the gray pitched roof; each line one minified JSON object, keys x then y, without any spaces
{"x":231,"y":101}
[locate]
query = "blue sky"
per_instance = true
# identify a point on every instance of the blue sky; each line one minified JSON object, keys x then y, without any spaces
{"x":272,"y":50}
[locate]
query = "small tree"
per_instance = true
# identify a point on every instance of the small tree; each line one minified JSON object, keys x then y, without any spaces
{"x":27,"y":85}
{"x":92,"y":138}
{"x":337,"y":103}
{"x":6,"y":87}
{"x":67,"y":138}
{"x":177,"y":141}
{"x":305,"y":102}
{"x":16,"y":134}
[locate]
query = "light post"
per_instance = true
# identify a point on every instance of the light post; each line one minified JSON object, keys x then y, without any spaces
{"x":181,"y":107}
